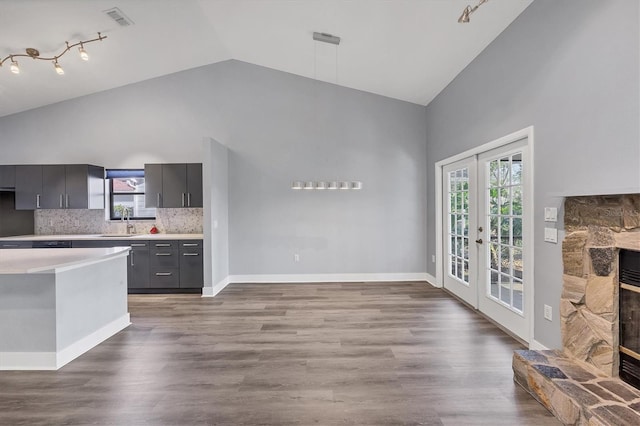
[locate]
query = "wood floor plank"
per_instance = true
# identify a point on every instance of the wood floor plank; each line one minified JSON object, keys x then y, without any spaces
{"x":286,"y":354}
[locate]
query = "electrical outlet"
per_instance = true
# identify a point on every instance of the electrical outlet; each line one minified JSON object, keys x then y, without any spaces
{"x":433,"y":258}
{"x":50,"y":222}
{"x":296,"y":257}
{"x":77,"y":223}
{"x":548,"y":315}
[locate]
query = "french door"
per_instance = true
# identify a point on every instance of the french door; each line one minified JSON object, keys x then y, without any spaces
{"x":485,"y":234}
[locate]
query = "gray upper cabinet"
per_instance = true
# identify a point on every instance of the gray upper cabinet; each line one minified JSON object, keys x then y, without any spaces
{"x":7,"y":177}
{"x":84,"y":186}
{"x":58,"y":186}
{"x":53,"y":187}
{"x":194,"y":185}
{"x":152,"y":185}
{"x":28,"y":187}
{"x":173,"y":185}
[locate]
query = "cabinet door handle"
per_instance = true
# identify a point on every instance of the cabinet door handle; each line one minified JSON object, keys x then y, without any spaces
{"x":37,"y":201}
{"x":183,"y":199}
{"x":138,"y":245}
{"x":189,"y":199}
{"x":163,"y":274}
{"x":66,"y":200}
{"x":131,"y":257}
{"x":158,"y":200}
{"x":191,"y":254}
{"x":163,"y":254}
{"x":189,"y":244}
{"x":163,"y":245}
{"x":60,"y":200}
{"x":10,"y":245}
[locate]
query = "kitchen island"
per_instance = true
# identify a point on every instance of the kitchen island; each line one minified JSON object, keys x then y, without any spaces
{"x":56,"y":304}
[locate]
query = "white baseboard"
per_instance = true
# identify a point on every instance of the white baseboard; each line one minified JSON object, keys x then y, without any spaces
{"x":76,"y":349}
{"x":321,"y":278}
{"x":212,"y":291}
{"x":537,"y":346}
{"x":55,"y":360}
{"x":431,"y":279}
{"x":313,"y":278}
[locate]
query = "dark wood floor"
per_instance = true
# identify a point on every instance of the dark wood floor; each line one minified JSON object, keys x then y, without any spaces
{"x":286,"y":354}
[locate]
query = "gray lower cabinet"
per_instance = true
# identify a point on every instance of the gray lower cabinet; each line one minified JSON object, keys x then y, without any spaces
{"x":138,"y":263}
{"x":164,"y":265}
{"x":153,"y":264}
{"x":7,"y":177}
{"x":191,"y":264}
{"x":15,"y":244}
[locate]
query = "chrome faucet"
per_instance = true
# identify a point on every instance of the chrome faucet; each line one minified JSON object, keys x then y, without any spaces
{"x":126,"y":214}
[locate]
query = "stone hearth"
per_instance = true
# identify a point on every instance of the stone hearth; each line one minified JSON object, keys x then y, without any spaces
{"x":596,"y":228}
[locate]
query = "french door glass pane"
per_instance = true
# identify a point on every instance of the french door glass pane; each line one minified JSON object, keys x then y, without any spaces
{"x":504,"y":222}
{"x":458,"y":251}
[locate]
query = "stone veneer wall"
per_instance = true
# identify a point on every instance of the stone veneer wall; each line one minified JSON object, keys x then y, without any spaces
{"x":596,"y":227}
{"x":168,"y":221}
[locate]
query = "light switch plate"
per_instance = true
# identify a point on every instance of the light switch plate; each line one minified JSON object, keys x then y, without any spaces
{"x":550,"y":214}
{"x":551,"y":235}
{"x":548,"y":313}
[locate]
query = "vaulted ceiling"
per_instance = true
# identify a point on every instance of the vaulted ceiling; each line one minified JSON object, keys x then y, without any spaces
{"x":403,"y":49}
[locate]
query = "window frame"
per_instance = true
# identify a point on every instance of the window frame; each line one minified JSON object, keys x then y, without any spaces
{"x":136,"y":173}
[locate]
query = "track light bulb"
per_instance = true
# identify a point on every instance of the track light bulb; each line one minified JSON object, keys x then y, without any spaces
{"x":14,"y":67}
{"x":83,"y":53}
{"x":58,"y":68}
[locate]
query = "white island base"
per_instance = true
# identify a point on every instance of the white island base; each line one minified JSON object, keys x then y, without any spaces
{"x":56,"y":304}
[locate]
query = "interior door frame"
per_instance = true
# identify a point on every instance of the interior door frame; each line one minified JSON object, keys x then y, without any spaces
{"x":528,"y":211}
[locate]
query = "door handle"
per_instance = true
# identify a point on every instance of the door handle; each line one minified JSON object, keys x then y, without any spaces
{"x":66,"y":201}
{"x":190,"y":254}
{"x":131,"y":257}
{"x":480,"y":229}
{"x":183,"y":199}
{"x":479,"y":241}
{"x":37,"y":201}
{"x":60,"y":200}
{"x":158,"y":200}
{"x":188,"y":199}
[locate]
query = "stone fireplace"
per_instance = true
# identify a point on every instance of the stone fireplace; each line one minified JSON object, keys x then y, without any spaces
{"x":580,"y":383}
{"x":596,"y":229}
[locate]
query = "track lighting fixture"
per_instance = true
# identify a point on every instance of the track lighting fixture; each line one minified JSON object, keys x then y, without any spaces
{"x":32,"y":53}
{"x":464,"y":18}
{"x":58,"y":68}
{"x":14,"y":66}
{"x":83,"y":53}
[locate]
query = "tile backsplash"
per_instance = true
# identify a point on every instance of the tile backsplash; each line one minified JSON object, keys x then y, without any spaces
{"x":70,"y":221}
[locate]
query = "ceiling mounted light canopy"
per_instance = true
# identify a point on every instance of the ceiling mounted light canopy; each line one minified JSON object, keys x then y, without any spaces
{"x":327,"y":38}
{"x":464,"y":18}
{"x":32,"y":53}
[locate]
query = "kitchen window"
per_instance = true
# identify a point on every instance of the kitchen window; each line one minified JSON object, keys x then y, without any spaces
{"x":126,"y":195}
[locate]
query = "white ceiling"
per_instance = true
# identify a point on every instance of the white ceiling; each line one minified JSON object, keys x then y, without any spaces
{"x":404,"y":49}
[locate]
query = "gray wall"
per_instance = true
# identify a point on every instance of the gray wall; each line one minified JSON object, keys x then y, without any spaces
{"x":571,"y":69}
{"x":278,"y":127}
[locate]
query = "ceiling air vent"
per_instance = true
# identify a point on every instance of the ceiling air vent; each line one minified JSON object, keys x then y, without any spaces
{"x":117,"y":15}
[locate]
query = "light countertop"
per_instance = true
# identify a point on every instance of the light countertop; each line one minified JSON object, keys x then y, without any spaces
{"x":31,"y":261}
{"x":104,"y":237}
